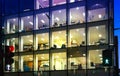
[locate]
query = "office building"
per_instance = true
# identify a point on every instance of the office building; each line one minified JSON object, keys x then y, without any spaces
{"x":59,"y":37}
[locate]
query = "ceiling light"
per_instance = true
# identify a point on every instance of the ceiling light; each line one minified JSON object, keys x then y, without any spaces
{"x":43,"y":34}
{"x":100,"y":35}
{"x":43,"y":14}
{"x":57,"y":18}
{"x":72,"y":0}
{"x":28,"y":36}
{"x":97,"y":27}
{"x":31,"y":23}
{"x":83,"y":34}
{"x":97,"y":50}
{"x":60,"y":11}
{"x":100,"y":16}
{"x":100,"y":55}
{"x":28,"y":17}
{"x":42,"y":21}
{"x":60,"y":32}
{"x":57,"y":56}
{"x":42,"y":39}
{"x":56,"y":37}
{"x":83,"y":14}
{"x":14,"y":19}
{"x":31,"y":58}
{"x":42,"y":57}
{"x":77,"y":8}
{"x":70,"y":55}
{"x":101,"y":58}
{"x":77,"y":30}
{"x":84,"y":54}
{"x":31,"y":40}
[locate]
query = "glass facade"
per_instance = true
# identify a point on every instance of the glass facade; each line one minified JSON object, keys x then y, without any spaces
{"x":59,"y":37}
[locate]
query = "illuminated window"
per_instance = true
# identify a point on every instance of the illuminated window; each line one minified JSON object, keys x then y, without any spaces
{"x":26,"y":43}
{"x":58,"y":61}
{"x":77,"y":15}
{"x":97,"y":35}
{"x":12,"y":25}
{"x":42,"y":41}
{"x":77,"y":37}
{"x":59,"y":18}
{"x":58,"y":39}
{"x":42,"y":62}
{"x":26,"y":23}
{"x":42,"y":3}
{"x":26,"y":63}
{"x":42,"y":21}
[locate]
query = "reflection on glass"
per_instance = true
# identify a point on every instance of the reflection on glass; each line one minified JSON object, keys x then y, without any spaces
{"x":42,"y":21}
{"x":26,"y":43}
{"x":58,"y":2}
{"x":59,"y":39}
{"x":42,"y":62}
{"x":59,"y":61}
{"x":26,"y":23}
{"x":97,"y":35}
{"x":95,"y":61}
{"x":97,"y":14}
{"x":77,"y":15}
{"x":59,"y":18}
{"x":77,"y":37}
{"x":26,"y":63}
{"x":13,"y":42}
{"x":76,"y":59}
{"x":42,"y":41}
{"x":12,"y":25}
{"x":42,"y":4}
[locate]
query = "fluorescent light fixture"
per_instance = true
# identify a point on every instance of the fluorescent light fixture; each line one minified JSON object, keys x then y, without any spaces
{"x":100,"y":35}
{"x":26,"y":9}
{"x":57,"y":19}
{"x":42,"y":21}
{"x":31,"y":23}
{"x":28,"y":36}
{"x":100,"y":16}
